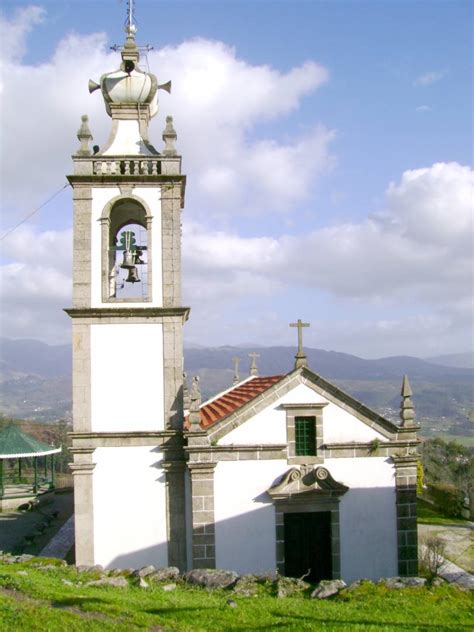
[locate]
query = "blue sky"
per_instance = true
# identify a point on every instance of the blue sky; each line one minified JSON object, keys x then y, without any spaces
{"x":388,"y":97}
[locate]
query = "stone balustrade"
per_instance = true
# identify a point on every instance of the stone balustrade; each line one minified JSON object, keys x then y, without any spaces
{"x":120,"y":166}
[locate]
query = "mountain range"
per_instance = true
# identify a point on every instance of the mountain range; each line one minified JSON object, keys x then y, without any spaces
{"x":35,"y":379}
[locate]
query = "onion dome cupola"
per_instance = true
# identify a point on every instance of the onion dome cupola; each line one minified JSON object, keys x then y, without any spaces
{"x":131,"y":99}
{"x":129,"y":86}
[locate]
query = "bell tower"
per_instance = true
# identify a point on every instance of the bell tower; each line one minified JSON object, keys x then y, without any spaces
{"x":127,"y":321}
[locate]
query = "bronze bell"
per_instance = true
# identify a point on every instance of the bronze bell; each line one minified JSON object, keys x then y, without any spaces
{"x":128,"y":260}
{"x":138,"y":254}
{"x":132,"y":275}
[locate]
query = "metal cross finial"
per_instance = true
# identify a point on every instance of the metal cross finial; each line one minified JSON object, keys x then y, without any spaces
{"x":300,"y":357}
{"x":253,"y":365}
{"x":130,"y":26}
{"x":236,"y":361}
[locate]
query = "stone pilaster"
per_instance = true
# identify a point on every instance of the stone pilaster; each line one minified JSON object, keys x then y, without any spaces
{"x":176,"y":511}
{"x":405,"y":477}
{"x":81,"y":267}
{"x":82,"y":470}
{"x":81,"y":376}
{"x":204,"y":544}
{"x":171,"y":199}
{"x":173,"y":372}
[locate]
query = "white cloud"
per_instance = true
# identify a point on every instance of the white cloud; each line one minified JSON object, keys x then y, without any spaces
{"x":423,"y":108}
{"x":217,"y":100}
{"x":13,"y":33}
{"x":418,"y":251}
{"x":36,"y":284}
{"x":429,"y":78}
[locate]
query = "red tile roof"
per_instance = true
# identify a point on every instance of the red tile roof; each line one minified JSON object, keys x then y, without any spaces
{"x":234,"y":399}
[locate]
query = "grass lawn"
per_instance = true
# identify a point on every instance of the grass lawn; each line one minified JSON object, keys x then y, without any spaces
{"x":39,"y":600}
{"x":429,"y":514}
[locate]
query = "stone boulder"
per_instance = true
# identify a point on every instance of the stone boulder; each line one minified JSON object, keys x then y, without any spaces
{"x":396,"y":583}
{"x":247,"y":586}
{"x":328,"y":588}
{"x":116,"y":582}
{"x":145,"y":571}
{"x":357,"y":583}
{"x":288,"y":586}
{"x":170,"y":573}
{"x":211,"y":578}
{"x":83,"y":568}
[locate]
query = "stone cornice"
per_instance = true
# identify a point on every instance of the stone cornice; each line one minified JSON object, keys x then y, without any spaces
{"x":88,"y":441}
{"x":215,"y":454}
{"x":120,"y":312}
{"x":107,"y":179}
{"x":304,"y":406}
{"x":202,"y":467}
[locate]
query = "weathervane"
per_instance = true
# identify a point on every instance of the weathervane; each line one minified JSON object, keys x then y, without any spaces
{"x":131,"y":28}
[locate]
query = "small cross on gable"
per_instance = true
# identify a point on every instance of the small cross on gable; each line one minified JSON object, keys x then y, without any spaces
{"x":253,"y":365}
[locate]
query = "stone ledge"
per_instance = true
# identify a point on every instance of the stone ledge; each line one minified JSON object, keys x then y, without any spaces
{"x":120,"y":312}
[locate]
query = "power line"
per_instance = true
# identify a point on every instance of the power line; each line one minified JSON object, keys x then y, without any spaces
{"x":10,"y":231}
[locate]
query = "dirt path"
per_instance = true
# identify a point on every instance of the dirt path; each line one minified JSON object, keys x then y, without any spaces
{"x":16,"y":525}
{"x":459,"y":541}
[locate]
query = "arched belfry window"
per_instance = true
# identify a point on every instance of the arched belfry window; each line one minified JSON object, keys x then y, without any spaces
{"x":126,"y":252}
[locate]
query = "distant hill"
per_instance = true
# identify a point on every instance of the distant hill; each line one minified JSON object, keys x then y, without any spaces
{"x":35,"y":380}
{"x":459,"y":360}
{"x":31,"y":357}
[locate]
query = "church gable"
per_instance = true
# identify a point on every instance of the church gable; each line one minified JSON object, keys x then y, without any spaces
{"x":269,"y":416}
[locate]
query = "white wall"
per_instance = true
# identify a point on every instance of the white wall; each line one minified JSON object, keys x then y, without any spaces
{"x":269,"y":426}
{"x":127,"y":377}
{"x":129,"y":508}
{"x":100,"y":198}
{"x":368,"y":520}
{"x":245,"y":517}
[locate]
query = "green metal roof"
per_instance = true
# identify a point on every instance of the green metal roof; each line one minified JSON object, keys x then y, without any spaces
{"x":16,"y":444}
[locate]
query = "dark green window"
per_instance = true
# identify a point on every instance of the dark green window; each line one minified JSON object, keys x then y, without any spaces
{"x":305,"y":436}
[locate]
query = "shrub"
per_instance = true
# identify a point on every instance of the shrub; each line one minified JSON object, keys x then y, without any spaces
{"x":420,"y":478}
{"x":431,"y":560}
{"x":447,"y":498}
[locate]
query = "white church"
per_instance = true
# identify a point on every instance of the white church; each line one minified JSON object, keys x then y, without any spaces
{"x":279,"y":473}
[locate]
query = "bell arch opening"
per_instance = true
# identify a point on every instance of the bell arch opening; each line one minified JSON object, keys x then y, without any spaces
{"x":126,"y":252}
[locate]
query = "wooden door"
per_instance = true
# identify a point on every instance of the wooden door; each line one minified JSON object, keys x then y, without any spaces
{"x":308,"y":545}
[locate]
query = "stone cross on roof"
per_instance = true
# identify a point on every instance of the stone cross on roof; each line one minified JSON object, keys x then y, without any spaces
{"x":300,"y":357}
{"x":253,"y":365}
{"x":236,"y":361}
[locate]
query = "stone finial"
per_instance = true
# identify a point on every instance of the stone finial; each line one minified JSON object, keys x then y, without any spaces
{"x":236,"y":361}
{"x":407,"y":411}
{"x":195,"y":403}
{"x":169,"y":136}
{"x":253,"y":365}
{"x":300,"y":357}
{"x":186,"y":396}
{"x":84,"y":135}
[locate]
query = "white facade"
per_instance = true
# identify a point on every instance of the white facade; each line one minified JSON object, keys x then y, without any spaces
{"x":129,"y":508}
{"x":244,"y":515}
{"x":368,"y":517}
{"x":114,"y":370}
{"x":365,"y":511}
